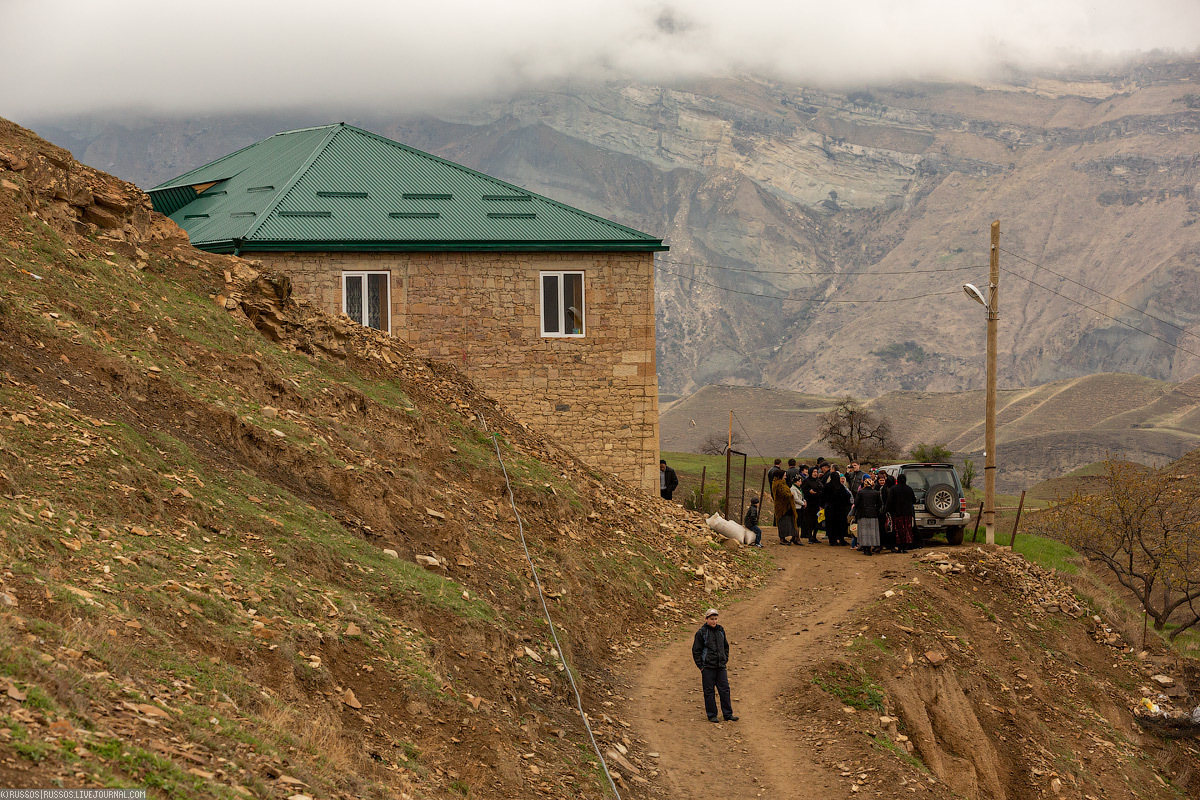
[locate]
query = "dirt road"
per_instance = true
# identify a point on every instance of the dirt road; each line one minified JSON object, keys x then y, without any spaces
{"x":775,"y":637}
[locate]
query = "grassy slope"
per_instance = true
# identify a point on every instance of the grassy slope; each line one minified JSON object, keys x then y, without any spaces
{"x":194,"y":521}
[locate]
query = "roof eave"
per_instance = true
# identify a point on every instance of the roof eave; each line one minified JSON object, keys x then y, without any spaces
{"x":228,"y":246}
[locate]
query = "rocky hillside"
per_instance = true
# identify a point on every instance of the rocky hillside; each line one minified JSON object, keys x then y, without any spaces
{"x":826,"y":196}
{"x":1042,"y":431}
{"x":249,"y":550}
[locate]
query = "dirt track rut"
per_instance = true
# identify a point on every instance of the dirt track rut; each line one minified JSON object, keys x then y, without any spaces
{"x":776,"y":635}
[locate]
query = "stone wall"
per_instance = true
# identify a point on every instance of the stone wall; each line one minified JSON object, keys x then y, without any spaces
{"x":480,"y":311}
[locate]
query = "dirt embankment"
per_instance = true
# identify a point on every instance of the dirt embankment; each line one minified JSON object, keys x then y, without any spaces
{"x":250,"y":550}
{"x":973,"y":674}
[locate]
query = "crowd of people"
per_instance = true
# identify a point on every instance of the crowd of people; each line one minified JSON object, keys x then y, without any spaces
{"x":864,"y":509}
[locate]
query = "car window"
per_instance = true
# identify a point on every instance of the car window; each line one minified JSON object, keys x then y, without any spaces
{"x":921,"y":479}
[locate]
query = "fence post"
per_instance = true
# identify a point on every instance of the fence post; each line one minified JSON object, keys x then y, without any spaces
{"x":703,"y":474}
{"x":1013,"y":542}
{"x":728,"y":462}
{"x":978,"y":519}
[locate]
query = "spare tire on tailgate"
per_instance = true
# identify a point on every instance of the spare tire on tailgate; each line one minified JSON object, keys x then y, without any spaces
{"x":941,"y":500}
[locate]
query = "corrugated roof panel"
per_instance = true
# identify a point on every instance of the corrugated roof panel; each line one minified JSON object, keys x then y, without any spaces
{"x":344,"y":188}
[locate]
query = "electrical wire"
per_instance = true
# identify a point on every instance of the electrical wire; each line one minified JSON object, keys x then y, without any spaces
{"x":748,"y":436}
{"x":816,"y":272}
{"x":1102,"y":294}
{"x":562,"y":656}
{"x":1101,"y":313}
{"x":799,"y":299}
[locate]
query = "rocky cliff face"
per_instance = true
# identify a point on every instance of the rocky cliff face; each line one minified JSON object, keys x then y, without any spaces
{"x":799,"y":218}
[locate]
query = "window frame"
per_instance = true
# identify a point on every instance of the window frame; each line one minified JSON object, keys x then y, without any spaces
{"x":364,"y":274}
{"x":562,"y":304}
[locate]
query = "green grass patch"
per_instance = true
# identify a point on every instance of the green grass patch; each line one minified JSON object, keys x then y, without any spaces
{"x":1048,"y":553}
{"x":853,"y":687}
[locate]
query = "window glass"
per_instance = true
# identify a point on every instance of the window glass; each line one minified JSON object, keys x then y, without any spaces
{"x":573,"y":300}
{"x":354,"y":298}
{"x":550,"y":304}
{"x":377,"y":301}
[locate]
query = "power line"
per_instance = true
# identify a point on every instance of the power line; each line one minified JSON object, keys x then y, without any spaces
{"x":562,"y":654}
{"x":1101,"y":313}
{"x":748,"y":436}
{"x":816,"y":272}
{"x":798,"y":299}
{"x":1102,"y":294}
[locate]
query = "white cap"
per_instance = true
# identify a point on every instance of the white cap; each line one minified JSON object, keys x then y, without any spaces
{"x":712,"y":612}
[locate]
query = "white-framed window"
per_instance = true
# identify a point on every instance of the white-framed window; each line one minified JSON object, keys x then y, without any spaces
{"x":562,"y":304}
{"x":366,"y":299}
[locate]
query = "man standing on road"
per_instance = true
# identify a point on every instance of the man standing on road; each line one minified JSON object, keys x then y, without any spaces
{"x":710,"y":651}
{"x":668,"y":481}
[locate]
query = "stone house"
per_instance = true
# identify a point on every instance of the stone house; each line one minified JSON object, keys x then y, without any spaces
{"x":546,"y":307}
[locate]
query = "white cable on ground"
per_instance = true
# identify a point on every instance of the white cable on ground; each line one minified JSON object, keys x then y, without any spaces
{"x":546,"y":611}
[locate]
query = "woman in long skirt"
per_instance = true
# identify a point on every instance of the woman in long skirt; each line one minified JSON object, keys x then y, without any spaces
{"x":867,"y":505}
{"x":785,"y":512}
{"x":901,"y":506}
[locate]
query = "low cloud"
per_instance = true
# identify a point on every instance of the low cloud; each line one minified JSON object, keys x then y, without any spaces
{"x":69,"y":56}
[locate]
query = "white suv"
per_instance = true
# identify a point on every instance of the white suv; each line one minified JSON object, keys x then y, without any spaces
{"x":941,"y":504}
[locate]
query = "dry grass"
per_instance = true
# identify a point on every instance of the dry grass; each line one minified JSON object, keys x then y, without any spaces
{"x":316,"y":731}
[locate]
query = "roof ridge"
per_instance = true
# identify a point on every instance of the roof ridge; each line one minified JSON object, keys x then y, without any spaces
{"x":291,"y":184}
{"x":506,"y":184}
{"x":174,"y":183}
{"x":305,"y":130}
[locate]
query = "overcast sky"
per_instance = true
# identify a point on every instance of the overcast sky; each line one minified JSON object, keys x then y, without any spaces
{"x":66,"y":56}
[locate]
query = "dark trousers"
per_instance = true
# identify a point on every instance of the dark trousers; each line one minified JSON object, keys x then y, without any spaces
{"x":716,"y":678}
{"x":666,"y":493}
{"x":757,"y":533}
{"x":836,"y":525}
{"x":808,"y":525}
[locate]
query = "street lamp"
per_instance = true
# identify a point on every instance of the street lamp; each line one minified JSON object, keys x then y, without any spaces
{"x":991,"y":304}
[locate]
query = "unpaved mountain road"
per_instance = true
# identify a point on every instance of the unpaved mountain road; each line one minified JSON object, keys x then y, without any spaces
{"x":776,"y":636}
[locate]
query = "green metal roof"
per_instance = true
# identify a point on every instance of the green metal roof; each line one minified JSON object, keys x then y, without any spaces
{"x":338,"y":187}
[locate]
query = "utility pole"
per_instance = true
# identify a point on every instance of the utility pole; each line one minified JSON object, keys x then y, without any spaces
{"x":993,"y":323}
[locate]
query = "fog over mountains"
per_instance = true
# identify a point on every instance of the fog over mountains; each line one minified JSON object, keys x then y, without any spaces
{"x":801,"y":219}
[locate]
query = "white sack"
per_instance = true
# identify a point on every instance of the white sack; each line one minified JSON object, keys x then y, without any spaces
{"x":730,"y":529}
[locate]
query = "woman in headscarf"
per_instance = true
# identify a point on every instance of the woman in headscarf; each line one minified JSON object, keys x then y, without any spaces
{"x":887,"y":534}
{"x":837,"y":509}
{"x":785,"y":512}
{"x":901,"y":505}
{"x":868,"y":504}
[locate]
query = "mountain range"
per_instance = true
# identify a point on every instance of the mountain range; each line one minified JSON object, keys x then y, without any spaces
{"x":819,"y":238}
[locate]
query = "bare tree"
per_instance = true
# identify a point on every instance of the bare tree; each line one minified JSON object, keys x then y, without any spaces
{"x":857,"y":433}
{"x":1145,"y":527}
{"x":714,"y":444}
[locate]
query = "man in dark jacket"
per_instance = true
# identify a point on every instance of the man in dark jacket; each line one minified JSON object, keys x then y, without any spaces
{"x":775,"y":471}
{"x":668,"y":481}
{"x":750,"y":522}
{"x":793,"y":473}
{"x":710,"y":651}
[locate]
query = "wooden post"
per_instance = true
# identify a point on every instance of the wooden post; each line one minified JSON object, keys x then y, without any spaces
{"x":728,"y":462}
{"x":742,"y":507}
{"x":703,"y":475}
{"x":978,"y":519}
{"x":989,"y":460}
{"x":1013,"y":542}
{"x":762,"y":487}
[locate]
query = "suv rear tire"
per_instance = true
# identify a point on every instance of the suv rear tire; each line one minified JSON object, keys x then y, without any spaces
{"x":941,"y":500}
{"x":954,"y":535}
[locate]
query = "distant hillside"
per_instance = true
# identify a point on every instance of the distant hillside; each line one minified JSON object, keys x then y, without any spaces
{"x":1043,"y":432}
{"x":806,"y":199}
